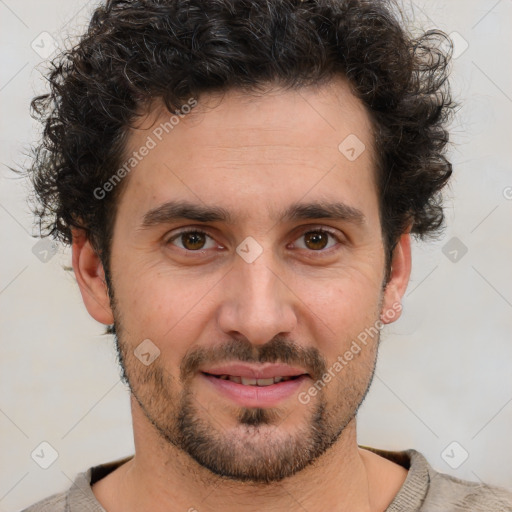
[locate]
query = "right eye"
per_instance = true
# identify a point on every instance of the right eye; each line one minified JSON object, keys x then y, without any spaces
{"x":192,"y":240}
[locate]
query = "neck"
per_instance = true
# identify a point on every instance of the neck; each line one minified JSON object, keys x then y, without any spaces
{"x":161,"y":477}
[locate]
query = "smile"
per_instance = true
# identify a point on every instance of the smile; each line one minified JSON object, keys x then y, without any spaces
{"x":248,"y":381}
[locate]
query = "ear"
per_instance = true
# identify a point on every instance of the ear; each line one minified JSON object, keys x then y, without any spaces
{"x":90,"y":276}
{"x":398,"y":280}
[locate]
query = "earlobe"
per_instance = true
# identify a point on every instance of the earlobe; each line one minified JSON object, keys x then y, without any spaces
{"x":398,"y":280}
{"x":90,"y":277}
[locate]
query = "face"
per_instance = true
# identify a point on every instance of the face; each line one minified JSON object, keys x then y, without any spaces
{"x":246,"y":236}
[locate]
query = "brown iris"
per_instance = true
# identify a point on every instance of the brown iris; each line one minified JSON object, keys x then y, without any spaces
{"x":193,"y":240}
{"x":317,"y":239}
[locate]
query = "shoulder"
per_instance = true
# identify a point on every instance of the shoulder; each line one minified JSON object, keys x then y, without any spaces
{"x":54,"y":503}
{"x":428,"y":490}
{"x":79,"y":497}
{"x":450,"y":493}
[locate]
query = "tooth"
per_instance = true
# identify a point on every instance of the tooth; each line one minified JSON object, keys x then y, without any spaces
{"x":249,"y":381}
{"x":265,"y":382}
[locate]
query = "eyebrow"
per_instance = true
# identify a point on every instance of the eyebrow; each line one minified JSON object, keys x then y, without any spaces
{"x":172,"y":211}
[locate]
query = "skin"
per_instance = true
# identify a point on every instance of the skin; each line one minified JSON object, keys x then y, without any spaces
{"x":253,"y":156}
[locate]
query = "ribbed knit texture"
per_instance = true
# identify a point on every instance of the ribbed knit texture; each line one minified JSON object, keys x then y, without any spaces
{"x":424,"y":490}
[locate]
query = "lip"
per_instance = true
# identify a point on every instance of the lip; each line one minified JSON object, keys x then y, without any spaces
{"x":261,"y":371}
{"x":255,"y":396}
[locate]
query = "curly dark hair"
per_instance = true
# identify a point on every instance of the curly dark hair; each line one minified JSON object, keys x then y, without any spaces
{"x":136,"y":51}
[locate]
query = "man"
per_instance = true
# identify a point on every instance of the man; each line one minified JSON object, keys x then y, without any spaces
{"x":239,"y":182}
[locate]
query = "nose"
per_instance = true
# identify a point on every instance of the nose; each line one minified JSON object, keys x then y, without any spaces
{"x":257,"y":302}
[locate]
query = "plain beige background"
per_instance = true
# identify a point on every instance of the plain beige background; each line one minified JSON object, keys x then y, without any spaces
{"x":444,"y":374}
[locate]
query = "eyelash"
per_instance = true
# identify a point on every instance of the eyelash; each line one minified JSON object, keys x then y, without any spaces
{"x":202,"y":251}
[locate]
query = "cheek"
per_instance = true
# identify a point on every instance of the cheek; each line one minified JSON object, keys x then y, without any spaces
{"x":168,"y":309}
{"x":348,"y":301}
{"x":345,"y":327}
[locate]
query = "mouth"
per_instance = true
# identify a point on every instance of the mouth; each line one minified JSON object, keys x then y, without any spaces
{"x":250,"y":381}
{"x":250,"y":386}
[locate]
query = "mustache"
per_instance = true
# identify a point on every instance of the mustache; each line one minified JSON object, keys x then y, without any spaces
{"x":277,"y":350}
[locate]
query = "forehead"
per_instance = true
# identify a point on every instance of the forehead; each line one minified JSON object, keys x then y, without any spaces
{"x":318,"y":114}
{"x":235,"y":146}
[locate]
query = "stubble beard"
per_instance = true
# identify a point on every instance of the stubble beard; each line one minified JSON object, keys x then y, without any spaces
{"x":259,"y":449}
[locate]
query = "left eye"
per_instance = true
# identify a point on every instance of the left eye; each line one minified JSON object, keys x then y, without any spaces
{"x":196,"y":240}
{"x":317,"y":239}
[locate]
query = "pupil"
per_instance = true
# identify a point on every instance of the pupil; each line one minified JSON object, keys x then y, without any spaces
{"x":196,"y":239}
{"x":316,"y":238}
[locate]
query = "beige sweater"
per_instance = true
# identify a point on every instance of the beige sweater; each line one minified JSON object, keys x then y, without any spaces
{"x":424,"y":490}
